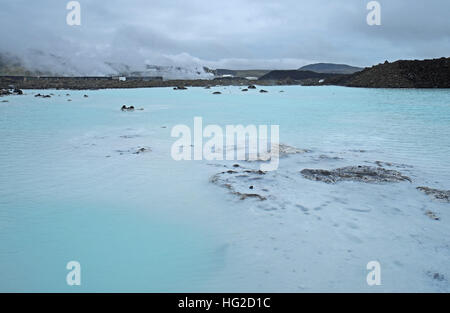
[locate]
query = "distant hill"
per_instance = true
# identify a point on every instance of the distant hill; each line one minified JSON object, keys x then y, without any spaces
{"x":294,"y":75}
{"x":331,"y":68}
{"x":433,"y":73}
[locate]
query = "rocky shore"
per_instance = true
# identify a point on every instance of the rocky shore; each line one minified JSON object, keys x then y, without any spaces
{"x":76,"y":83}
{"x":433,"y":73}
{"x":400,"y":74}
{"x":366,"y":174}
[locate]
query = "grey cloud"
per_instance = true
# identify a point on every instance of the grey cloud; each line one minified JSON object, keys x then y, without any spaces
{"x":238,"y":34}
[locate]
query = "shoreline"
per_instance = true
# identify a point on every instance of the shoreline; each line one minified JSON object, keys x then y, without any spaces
{"x":69,"y":83}
{"x":425,"y":74}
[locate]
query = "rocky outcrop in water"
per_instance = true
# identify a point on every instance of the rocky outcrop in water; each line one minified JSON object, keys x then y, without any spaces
{"x":11,"y":91}
{"x":125,"y":108}
{"x":4,"y":92}
{"x":42,"y":96}
{"x":142,"y":150}
{"x":442,"y":195}
{"x":366,"y":174}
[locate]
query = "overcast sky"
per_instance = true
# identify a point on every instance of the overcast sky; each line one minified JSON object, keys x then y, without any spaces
{"x":228,"y":34}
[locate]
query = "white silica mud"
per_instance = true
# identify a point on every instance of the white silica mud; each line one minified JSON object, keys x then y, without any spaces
{"x":363,"y":176}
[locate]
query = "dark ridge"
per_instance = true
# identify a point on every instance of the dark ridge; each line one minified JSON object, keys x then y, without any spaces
{"x":294,"y":75}
{"x":433,"y":73}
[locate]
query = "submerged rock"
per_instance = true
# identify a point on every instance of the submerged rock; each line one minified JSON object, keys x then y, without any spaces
{"x":328,"y":158}
{"x":286,"y":150}
{"x":390,"y":164}
{"x":366,"y":174}
{"x":138,"y":150}
{"x":281,"y":149}
{"x":217,"y":93}
{"x":232,"y":180}
{"x":436,"y":276}
{"x":443,"y":195}
{"x":244,"y":89}
{"x":263,"y":91}
{"x":432,"y":215}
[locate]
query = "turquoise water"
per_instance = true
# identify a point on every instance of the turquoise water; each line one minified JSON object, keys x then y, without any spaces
{"x":72,"y":189}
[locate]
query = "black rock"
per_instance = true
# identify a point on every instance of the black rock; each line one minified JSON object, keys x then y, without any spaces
{"x":366,"y":174}
{"x":443,"y":195}
{"x":251,"y":87}
{"x":263,"y":91}
{"x":142,"y":150}
{"x":217,"y":93}
{"x":4,"y":92}
{"x":125,"y":108}
{"x":42,"y":96}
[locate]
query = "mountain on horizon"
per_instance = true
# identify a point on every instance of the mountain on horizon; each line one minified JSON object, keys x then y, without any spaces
{"x":331,"y":68}
{"x":295,"y":75}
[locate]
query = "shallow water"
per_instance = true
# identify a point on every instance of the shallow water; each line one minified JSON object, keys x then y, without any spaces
{"x":72,"y":189}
